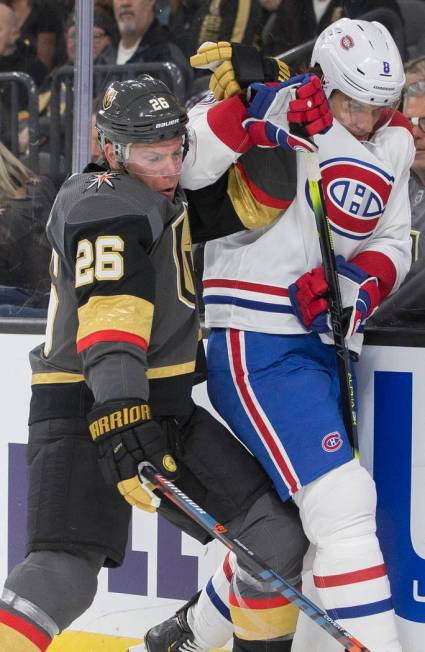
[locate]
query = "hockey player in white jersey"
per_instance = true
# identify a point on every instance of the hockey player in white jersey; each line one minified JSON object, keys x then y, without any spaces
{"x":272,"y":368}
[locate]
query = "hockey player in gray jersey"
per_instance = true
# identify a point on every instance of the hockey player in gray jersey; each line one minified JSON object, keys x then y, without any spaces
{"x":111,"y":386}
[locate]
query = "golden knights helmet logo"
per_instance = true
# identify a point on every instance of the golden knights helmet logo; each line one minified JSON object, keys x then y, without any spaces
{"x":109,"y":97}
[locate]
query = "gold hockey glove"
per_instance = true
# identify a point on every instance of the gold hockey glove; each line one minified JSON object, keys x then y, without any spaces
{"x":235,"y":66}
{"x":125,"y":435}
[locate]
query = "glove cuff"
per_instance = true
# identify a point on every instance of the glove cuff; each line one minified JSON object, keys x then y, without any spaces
{"x":113,"y":417}
{"x":275,"y":70}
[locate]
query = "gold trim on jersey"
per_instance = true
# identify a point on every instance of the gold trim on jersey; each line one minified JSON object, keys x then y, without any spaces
{"x":122,"y":312}
{"x":241,"y":21}
{"x":251,"y":213}
{"x":250,"y":624}
{"x":172,"y":370}
{"x":48,"y":377}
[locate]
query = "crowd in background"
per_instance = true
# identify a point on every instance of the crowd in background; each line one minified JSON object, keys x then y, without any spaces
{"x":38,"y":37}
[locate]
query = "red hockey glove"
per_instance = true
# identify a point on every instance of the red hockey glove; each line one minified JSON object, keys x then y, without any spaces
{"x":359,"y":293}
{"x":310,"y":109}
{"x":125,"y":435}
{"x":270,"y":110}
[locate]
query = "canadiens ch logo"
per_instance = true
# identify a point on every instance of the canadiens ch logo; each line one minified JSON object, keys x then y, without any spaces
{"x":97,"y":180}
{"x":347,"y":42}
{"x":356,"y":194}
{"x":332,"y":442}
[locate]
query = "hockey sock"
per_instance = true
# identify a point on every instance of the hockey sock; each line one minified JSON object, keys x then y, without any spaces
{"x":19,"y":634}
{"x":258,"y":614}
{"x":209,"y":619}
{"x":349,"y":575}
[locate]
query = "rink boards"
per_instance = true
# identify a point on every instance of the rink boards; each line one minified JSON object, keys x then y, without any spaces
{"x":163,"y":567}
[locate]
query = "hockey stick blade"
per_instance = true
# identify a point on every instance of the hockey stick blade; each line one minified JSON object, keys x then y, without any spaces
{"x":249,"y":558}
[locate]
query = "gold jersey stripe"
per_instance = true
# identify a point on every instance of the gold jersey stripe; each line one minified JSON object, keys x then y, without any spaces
{"x":251,"y":624}
{"x":241,"y":21}
{"x":172,"y":370}
{"x":46,"y":378}
{"x":251,"y":213}
{"x":122,"y":312}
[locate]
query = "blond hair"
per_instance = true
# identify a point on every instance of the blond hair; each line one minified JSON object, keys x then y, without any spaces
{"x":14,"y":176}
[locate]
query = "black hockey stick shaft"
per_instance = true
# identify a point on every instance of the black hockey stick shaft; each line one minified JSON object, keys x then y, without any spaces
{"x":258,"y":568}
{"x":348,"y":400}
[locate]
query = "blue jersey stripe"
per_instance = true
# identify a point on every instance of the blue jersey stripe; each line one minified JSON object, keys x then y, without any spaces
{"x":246,"y":303}
{"x":361,"y":610}
{"x":217,"y":601}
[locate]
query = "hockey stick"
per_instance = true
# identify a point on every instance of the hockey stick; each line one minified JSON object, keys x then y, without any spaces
{"x":315,"y":187}
{"x":249,"y":558}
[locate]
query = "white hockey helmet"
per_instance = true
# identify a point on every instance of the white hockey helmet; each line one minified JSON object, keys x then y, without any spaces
{"x":360,"y":58}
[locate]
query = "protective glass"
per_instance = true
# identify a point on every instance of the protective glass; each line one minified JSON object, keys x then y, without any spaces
{"x":359,"y":118}
{"x":163,"y":159}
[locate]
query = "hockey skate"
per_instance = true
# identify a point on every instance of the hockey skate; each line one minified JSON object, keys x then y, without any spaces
{"x":172,"y":635}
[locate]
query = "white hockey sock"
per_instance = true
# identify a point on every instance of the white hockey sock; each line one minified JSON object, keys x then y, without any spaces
{"x":349,"y":576}
{"x":209,"y":618}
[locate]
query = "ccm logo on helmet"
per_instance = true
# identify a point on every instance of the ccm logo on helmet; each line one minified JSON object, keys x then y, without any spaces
{"x":332,"y":442}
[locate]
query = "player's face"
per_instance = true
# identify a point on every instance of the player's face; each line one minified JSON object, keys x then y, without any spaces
{"x":414,"y":107}
{"x":360,"y":119}
{"x":158,"y":165}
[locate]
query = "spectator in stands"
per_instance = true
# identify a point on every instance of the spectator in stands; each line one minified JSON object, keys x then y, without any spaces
{"x":105,"y":33}
{"x":25,"y":202}
{"x":298,"y":21}
{"x":41,"y":25}
{"x":407,"y":305}
{"x":142,"y":40}
{"x":15,"y":56}
{"x":192,"y":22}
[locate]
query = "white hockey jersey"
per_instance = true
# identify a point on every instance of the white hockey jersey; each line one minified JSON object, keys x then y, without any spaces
{"x":247,"y":274}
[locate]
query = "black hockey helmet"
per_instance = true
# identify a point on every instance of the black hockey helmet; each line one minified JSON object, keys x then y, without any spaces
{"x":139,"y":111}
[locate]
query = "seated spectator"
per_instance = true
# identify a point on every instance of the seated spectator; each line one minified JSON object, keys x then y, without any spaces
{"x":192,"y":22}
{"x":142,"y":40}
{"x":40,"y":24}
{"x":15,"y":56}
{"x":25,"y":202}
{"x":105,"y":32}
{"x":407,"y":305}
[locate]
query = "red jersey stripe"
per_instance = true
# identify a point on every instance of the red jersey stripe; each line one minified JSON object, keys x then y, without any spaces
{"x":256,"y":416}
{"x":31,"y":632}
{"x":260,"y":195}
{"x":245,"y":285}
{"x":111,"y":336}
